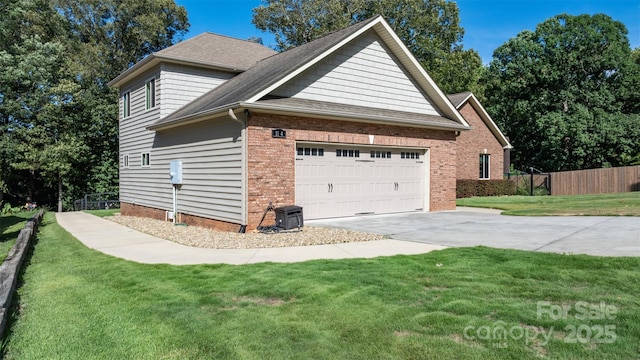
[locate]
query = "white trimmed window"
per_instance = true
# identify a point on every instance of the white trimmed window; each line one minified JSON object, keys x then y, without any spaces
{"x":126,"y":104}
{"x":125,"y":161}
{"x":484,"y":166}
{"x":150,"y":93}
{"x":144,"y":159}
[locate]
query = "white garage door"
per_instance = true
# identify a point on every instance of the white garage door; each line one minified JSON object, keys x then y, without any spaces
{"x":334,"y":181}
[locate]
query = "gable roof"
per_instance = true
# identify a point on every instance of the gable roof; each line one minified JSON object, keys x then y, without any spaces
{"x":205,"y":50}
{"x":460,"y":99}
{"x":248,"y":88}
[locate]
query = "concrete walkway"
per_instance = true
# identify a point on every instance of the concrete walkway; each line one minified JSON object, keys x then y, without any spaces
{"x":123,"y":242}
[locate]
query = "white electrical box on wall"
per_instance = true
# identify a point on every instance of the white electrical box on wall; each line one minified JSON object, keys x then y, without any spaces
{"x":175,"y":172}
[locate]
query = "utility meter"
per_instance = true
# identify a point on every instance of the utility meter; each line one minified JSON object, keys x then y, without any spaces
{"x":175,"y":172}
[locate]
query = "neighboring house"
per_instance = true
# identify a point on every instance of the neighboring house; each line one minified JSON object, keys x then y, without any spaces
{"x":484,"y":152}
{"x":347,"y":124}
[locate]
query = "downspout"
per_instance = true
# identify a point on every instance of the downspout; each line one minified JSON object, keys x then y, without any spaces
{"x":243,"y":156}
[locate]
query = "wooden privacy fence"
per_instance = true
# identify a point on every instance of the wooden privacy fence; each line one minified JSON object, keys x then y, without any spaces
{"x":596,"y":181}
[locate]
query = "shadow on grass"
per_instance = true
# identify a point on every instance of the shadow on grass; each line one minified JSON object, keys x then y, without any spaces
{"x":5,"y":223}
{"x":16,"y":307}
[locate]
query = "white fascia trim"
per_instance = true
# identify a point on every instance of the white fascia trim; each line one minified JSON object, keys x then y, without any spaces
{"x":299,"y":70}
{"x":489,"y":121}
{"x":465,"y":100}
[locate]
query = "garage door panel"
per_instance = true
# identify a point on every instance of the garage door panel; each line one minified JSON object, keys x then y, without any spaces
{"x":358,"y":181}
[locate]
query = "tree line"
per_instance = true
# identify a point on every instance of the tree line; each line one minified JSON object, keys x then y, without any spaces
{"x":565,"y":94}
{"x":58,"y":117}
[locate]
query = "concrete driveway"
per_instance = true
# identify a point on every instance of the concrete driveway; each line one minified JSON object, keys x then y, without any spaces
{"x":593,"y":235}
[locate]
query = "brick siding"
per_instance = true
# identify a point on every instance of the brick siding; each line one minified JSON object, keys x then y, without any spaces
{"x":271,"y":161}
{"x":471,"y":143}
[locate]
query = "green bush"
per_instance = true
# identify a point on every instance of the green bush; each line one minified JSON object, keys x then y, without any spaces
{"x":6,"y":209}
{"x":468,"y":188}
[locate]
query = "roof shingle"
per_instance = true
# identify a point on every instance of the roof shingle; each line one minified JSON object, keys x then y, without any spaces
{"x":218,"y":50}
{"x":207,"y":49}
{"x":457,"y":99}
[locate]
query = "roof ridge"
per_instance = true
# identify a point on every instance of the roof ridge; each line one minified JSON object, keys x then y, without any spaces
{"x":202,"y":34}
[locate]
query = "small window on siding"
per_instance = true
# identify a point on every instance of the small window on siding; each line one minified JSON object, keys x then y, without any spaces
{"x":126,"y":105}
{"x":484,"y":166}
{"x":125,"y":161}
{"x":144,"y":159}
{"x":150,"y":91}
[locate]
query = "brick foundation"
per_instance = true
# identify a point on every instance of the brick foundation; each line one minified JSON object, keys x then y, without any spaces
{"x":219,"y":225}
{"x":127,"y":209}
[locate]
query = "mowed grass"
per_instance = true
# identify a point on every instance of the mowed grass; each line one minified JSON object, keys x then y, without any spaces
{"x":10,"y":226}
{"x":103,"y":213}
{"x":76,"y":303}
{"x":620,"y":204}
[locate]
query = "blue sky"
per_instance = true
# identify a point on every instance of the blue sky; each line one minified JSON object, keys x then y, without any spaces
{"x":487,"y":23}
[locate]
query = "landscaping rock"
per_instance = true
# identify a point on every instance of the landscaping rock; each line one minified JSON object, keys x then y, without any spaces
{"x":207,"y":238}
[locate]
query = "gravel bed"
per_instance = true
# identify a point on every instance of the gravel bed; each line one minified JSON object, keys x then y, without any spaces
{"x":207,"y":238}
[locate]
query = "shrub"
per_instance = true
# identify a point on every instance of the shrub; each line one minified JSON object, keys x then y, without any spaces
{"x":468,"y":188}
{"x":6,"y":209}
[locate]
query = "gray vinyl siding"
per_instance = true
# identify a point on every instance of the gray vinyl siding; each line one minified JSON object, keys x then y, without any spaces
{"x":134,"y":137}
{"x":211,"y":154}
{"x":181,"y":84}
{"x":362,"y":73}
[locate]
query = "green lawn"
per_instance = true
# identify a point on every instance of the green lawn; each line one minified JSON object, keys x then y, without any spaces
{"x":77,"y":303}
{"x":103,"y":213}
{"x":621,"y":204}
{"x":10,"y":226}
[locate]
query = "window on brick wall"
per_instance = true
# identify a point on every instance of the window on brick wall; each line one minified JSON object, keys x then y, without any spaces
{"x":484,"y":166}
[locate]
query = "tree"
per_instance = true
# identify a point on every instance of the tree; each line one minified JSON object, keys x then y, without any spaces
{"x":429,"y":28}
{"x":34,"y":85}
{"x":53,"y":104}
{"x":562,"y":92}
{"x":113,"y":35}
